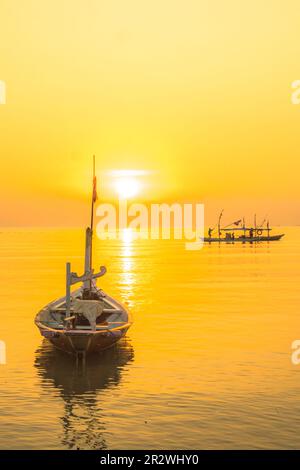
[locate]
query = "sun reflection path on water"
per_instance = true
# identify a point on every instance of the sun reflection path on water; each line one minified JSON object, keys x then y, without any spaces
{"x":127,"y":275}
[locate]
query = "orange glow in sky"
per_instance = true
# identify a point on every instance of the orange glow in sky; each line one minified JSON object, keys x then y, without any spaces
{"x":193,"y":96}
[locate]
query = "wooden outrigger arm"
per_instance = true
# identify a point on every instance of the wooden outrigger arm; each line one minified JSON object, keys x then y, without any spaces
{"x":87,"y":276}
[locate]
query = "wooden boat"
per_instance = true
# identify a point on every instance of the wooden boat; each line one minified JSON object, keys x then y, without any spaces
{"x":87,"y":320}
{"x":229,"y":234}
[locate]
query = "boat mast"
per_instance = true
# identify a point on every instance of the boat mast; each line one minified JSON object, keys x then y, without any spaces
{"x":88,"y":276}
{"x":219,"y":223}
{"x":94,"y":198}
{"x":88,"y":264}
{"x":87,"y":259}
{"x":68,"y":289}
{"x":89,"y":232}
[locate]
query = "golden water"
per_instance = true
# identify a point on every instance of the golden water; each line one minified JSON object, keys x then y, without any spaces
{"x":207,"y":363}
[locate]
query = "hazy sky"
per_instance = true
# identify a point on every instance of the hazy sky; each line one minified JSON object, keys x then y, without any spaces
{"x":197,"y":93}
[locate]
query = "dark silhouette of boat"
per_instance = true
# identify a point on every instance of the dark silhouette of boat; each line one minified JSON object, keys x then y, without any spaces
{"x":235,"y":232}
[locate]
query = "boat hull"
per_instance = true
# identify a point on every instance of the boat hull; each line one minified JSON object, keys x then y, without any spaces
{"x":84,"y":339}
{"x":74,"y":342}
{"x":243,"y":239}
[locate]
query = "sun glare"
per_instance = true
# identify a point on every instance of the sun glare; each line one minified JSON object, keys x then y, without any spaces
{"x":127,"y":187}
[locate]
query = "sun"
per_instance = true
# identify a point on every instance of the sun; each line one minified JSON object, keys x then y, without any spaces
{"x":127,"y":187}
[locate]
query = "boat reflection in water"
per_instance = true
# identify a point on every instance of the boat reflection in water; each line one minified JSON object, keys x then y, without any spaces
{"x":80,"y":388}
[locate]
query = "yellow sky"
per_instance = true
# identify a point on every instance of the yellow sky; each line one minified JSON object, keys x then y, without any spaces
{"x":197,"y":93}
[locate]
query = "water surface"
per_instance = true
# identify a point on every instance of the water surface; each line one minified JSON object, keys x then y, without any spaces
{"x":207,"y":363}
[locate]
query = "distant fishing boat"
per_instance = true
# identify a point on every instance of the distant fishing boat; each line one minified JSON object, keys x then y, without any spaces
{"x":86,"y":320}
{"x":235,"y":232}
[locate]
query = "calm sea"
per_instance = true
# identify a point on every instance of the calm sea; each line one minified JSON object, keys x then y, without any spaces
{"x":207,"y":363}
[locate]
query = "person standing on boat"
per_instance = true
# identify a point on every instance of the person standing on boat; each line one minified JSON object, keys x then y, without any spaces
{"x":210,"y":230}
{"x":251,"y":233}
